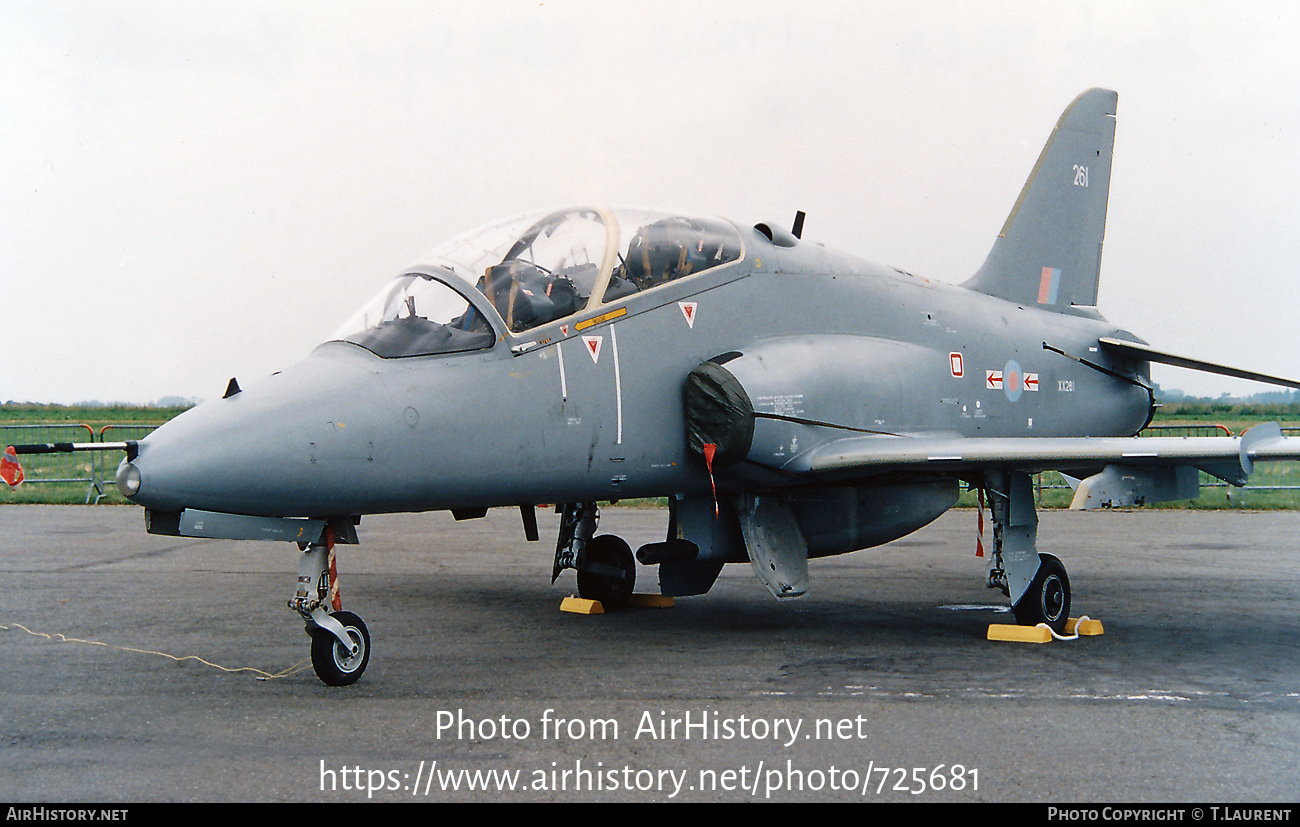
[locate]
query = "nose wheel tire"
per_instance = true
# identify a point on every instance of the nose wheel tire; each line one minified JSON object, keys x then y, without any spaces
{"x":1047,"y":600}
{"x":334,"y":664}
{"x":612,"y":573}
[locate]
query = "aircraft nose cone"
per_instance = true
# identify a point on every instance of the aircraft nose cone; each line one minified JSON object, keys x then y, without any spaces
{"x":285,"y":446}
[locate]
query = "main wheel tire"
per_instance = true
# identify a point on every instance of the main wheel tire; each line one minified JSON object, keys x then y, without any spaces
{"x":613,"y":591}
{"x":1047,"y":600}
{"x":333,"y":664}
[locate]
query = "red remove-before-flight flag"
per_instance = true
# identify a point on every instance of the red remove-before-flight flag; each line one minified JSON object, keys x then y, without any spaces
{"x":10,"y":470}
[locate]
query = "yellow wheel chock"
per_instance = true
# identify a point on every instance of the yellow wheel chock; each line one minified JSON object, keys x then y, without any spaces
{"x":582,"y":606}
{"x":1075,"y":627}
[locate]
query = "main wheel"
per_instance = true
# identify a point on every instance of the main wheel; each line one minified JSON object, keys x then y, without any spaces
{"x":333,"y":664}
{"x":1047,"y":599}
{"x":612,"y":575}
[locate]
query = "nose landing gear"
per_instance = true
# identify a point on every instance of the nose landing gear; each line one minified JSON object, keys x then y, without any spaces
{"x":340,"y":641}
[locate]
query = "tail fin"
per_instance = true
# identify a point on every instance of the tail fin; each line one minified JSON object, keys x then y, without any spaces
{"x":1048,"y":254}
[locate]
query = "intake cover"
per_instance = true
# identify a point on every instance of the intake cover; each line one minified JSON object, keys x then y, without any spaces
{"x":718,"y":412}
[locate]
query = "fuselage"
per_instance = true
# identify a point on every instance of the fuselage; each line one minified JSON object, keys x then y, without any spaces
{"x":589,"y":407}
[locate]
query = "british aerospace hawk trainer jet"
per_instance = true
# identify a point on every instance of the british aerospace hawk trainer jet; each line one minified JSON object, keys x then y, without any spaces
{"x":788,"y":400}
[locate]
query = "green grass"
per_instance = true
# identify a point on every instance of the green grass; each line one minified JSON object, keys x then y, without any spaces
{"x":27,"y":423}
{"x":20,"y":413}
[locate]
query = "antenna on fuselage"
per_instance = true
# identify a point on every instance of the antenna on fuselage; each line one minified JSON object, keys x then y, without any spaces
{"x":797,"y":229}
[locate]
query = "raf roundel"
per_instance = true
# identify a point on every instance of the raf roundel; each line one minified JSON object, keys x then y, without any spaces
{"x":1013,"y":383}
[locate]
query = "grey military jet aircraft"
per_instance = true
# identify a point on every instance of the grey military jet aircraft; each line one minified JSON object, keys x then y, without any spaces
{"x":788,"y":400}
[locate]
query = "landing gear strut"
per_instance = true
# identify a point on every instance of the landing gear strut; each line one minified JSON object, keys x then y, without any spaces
{"x":1036,"y":583}
{"x":605,"y":565}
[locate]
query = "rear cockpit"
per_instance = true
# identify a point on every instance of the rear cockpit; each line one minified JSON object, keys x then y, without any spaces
{"x":532,"y":270}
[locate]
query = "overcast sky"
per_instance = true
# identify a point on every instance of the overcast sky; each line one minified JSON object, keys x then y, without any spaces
{"x":194,"y":191}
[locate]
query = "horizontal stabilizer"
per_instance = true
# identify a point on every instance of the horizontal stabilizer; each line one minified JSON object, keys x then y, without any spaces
{"x":1133,"y":350}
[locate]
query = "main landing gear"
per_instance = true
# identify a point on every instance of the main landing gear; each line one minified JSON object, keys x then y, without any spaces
{"x":340,"y":642}
{"x":1037,"y":584}
{"x":605,"y":564}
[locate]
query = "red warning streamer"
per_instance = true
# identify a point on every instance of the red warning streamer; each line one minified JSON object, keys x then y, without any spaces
{"x":709,"y":450}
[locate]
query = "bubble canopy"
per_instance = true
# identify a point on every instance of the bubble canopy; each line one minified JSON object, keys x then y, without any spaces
{"x":531,"y":270}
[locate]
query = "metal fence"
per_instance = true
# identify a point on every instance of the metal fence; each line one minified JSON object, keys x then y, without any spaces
{"x":94,"y":468}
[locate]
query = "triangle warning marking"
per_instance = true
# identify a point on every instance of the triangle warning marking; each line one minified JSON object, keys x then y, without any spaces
{"x":593,"y":347}
{"x":688,"y":310}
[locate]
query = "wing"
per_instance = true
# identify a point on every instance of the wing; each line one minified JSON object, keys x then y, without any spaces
{"x":1149,"y":469}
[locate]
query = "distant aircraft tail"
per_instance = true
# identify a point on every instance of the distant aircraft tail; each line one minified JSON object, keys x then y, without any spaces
{"x":1048,"y":254}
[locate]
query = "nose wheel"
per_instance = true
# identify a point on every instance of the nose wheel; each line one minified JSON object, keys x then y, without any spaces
{"x":335,"y":664}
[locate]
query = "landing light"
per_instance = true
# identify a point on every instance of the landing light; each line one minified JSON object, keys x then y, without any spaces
{"x":128,"y":479}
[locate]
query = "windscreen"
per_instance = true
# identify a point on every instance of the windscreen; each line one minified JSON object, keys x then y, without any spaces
{"x":416,"y":315}
{"x":534,"y":269}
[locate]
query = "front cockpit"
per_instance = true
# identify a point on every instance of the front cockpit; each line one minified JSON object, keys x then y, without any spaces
{"x":531,"y":270}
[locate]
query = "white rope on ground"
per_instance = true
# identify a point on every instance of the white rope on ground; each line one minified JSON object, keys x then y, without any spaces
{"x":262,"y":676}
